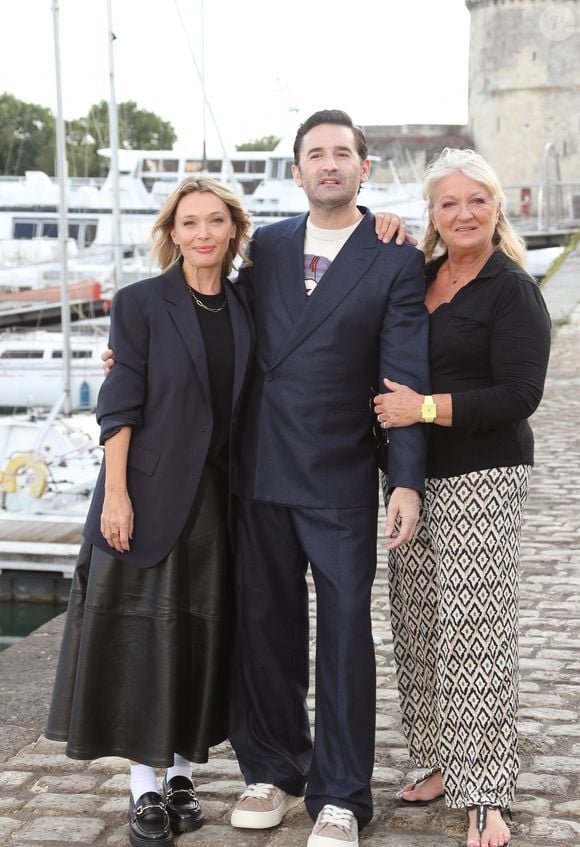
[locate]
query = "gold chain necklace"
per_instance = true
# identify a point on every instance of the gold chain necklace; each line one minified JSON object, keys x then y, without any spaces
{"x":455,"y":279}
{"x":203,"y":305}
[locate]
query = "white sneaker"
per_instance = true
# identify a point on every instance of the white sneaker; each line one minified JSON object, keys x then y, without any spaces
{"x":334,"y":827}
{"x":262,"y":805}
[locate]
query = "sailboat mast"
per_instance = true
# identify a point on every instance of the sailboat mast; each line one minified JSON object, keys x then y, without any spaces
{"x":206,"y":104}
{"x":203,"y":112}
{"x":61,"y":170}
{"x":114,"y":145}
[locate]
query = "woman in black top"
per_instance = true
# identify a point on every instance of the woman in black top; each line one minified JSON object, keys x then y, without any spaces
{"x":454,"y":588}
{"x":143,"y":667}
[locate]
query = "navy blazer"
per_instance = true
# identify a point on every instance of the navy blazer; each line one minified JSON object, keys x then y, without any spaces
{"x":306,"y":438}
{"x":160,"y":387}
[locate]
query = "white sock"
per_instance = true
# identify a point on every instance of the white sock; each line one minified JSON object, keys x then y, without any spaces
{"x":181,"y":767}
{"x":143,"y":779}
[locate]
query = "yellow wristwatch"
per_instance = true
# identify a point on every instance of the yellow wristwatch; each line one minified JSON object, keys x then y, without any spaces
{"x":428,"y":409}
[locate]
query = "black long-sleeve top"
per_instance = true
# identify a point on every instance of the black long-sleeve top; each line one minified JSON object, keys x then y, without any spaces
{"x":489,"y":349}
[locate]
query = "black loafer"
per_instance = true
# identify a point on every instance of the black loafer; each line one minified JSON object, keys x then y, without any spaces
{"x":182,"y":804}
{"x":149,"y":822}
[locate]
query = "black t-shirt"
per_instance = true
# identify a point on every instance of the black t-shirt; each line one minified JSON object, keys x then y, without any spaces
{"x":218,"y":339}
{"x":489,"y":349}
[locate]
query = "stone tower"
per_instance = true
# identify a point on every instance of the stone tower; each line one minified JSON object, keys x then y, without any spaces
{"x":524,"y":85}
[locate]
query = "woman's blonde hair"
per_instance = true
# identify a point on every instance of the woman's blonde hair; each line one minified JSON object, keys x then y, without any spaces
{"x":167,"y":253}
{"x":474,"y":166}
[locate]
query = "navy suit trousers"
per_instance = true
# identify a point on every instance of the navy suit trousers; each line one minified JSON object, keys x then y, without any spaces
{"x":269,"y":724}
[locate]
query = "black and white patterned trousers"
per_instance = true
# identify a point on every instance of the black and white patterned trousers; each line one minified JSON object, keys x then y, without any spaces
{"x":454,"y":594}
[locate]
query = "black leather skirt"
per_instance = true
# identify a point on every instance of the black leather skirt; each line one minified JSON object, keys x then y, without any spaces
{"x":144,"y":662}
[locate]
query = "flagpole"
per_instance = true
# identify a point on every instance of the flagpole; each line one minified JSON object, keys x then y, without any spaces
{"x":61,"y":171}
{"x":114,"y":146}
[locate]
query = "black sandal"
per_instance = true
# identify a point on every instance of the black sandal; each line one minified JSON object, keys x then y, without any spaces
{"x":481,"y":816}
{"x":414,"y":785}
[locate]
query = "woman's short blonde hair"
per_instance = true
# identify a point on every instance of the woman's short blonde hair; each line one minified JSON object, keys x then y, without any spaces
{"x":167,"y":253}
{"x":474,"y":166}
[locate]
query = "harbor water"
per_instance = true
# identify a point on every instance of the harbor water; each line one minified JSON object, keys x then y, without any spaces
{"x":19,"y":619}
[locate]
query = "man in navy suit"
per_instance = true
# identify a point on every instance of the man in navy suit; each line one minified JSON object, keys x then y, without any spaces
{"x":336,"y":311}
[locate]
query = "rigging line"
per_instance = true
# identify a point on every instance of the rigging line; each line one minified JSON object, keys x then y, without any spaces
{"x":204,"y":95}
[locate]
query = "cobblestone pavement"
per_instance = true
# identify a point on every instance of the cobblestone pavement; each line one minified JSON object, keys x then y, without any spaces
{"x":46,"y":799}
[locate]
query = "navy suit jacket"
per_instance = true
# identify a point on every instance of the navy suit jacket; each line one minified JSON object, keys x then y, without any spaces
{"x":160,"y":387}
{"x":306,"y":438}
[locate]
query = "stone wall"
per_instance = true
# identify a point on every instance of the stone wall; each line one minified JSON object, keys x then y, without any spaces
{"x":524,"y":85}
{"x":411,"y":146}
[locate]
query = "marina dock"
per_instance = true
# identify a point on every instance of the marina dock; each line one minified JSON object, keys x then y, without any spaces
{"x":50,"y":801}
{"x":54,"y":529}
{"x":37,"y":557}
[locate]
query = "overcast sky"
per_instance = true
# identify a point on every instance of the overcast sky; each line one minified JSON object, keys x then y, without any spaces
{"x":386,"y":62}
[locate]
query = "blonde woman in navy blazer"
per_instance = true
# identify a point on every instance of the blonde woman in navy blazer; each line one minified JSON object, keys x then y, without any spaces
{"x":143,"y":667}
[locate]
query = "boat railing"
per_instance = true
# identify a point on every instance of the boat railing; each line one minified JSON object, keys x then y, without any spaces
{"x":551,"y":204}
{"x":554,"y":205}
{"x":74,"y":182}
{"x":86,"y":181}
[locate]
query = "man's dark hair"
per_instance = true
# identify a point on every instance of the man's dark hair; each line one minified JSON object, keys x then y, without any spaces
{"x":331,"y":116}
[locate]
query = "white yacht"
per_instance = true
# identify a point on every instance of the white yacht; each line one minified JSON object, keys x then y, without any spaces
{"x":29,"y":205}
{"x":31,"y":366}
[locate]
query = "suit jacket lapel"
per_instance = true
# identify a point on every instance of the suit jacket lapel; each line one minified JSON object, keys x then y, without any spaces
{"x":341,"y":277}
{"x":289,"y":267}
{"x":184,"y":315}
{"x":241,"y":333}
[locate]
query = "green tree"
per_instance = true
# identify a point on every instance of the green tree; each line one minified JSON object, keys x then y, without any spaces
{"x":267,"y":142}
{"x":81,"y":150}
{"x":138,"y":128}
{"x":26,"y":136}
